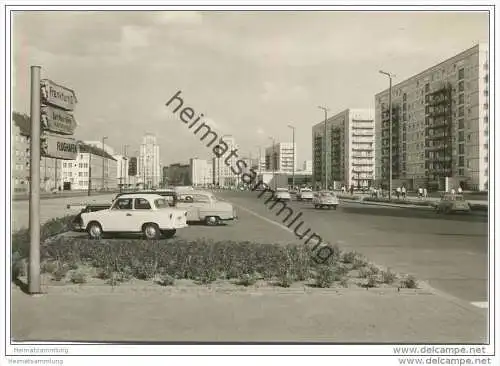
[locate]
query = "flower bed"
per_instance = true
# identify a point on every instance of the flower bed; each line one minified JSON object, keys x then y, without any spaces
{"x":400,"y":201}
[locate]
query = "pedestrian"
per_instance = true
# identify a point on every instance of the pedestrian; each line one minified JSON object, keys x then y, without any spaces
{"x":453,"y":191}
{"x":403,"y":192}
{"x":459,"y":189}
{"x":425,"y":192}
{"x":398,"y":192}
{"x":420,"y":192}
{"x":352,"y":189}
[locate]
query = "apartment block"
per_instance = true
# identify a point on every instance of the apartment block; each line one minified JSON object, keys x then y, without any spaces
{"x":439,"y":125}
{"x":349,"y":140}
{"x":281,"y":157}
{"x":149,"y":164}
{"x":201,"y":171}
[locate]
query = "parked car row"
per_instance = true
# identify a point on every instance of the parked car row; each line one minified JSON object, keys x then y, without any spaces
{"x":319,"y":199}
{"x":153,"y":213}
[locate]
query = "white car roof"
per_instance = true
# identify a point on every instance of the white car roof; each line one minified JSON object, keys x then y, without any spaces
{"x":139,"y":195}
{"x":282,"y":190}
{"x":190,"y":193}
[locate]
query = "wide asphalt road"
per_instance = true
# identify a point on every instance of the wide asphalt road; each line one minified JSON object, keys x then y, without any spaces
{"x":450,"y":252}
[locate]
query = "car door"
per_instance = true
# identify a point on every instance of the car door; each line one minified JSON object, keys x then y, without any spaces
{"x":119,"y":217}
{"x":203,"y":206}
{"x":142,"y":213}
{"x":185,"y":202}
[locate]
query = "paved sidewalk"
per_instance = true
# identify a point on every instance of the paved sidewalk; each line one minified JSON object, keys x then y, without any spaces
{"x":166,"y":314}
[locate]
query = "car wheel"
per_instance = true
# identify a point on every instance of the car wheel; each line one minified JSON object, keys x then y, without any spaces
{"x":94,"y":230}
{"x":151,"y":231}
{"x":169,"y":233}
{"x":212,"y":220}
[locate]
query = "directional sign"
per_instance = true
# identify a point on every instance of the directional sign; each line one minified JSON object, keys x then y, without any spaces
{"x":57,"y":95}
{"x":57,"y":120}
{"x":59,"y":147}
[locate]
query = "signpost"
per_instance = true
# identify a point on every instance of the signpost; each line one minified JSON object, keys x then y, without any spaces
{"x":50,"y":107}
{"x":57,"y":120}
{"x":60,"y":147}
{"x":57,"y":95}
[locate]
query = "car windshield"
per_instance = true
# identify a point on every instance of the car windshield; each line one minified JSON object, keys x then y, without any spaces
{"x":326,"y":194}
{"x":161,"y":203}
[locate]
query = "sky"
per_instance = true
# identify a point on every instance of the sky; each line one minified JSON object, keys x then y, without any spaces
{"x":250,"y":73}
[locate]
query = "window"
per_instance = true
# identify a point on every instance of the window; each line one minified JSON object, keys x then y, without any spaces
{"x":123,"y":204}
{"x":161,"y":203}
{"x":461,"y":99}
{"x":427,"y":87}
{"x":461,"y":171}
{"x":461,"y":86}
{"x":461,"y":111}
{"x":468,"y":137}
{"x":142,"y":204}
{"x":461,"y":161}
{"x":461,"y":149}
{"x":461,"y":73}
{"x":461,"y":136}
{"x":485,"y":146}
{"x":461,"y":123}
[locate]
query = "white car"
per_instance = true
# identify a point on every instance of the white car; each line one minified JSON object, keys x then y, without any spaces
{"x":135,"y":213}
{"x":325,"y":199}
{"x":205,"y":207}
{"x":305,"y":194}
{"x":282,"y":194}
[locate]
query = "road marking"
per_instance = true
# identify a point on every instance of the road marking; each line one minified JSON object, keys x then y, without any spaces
{"x":264,"y":218}
{"x":481,"y":304}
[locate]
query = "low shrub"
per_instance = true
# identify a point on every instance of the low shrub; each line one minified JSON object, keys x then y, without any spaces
{"x":285,"y":279}
{"x":78,"y":276}
{"x":326,"y":276}
{"x":409,"y":282}
{"x":21,"y":238}
{"x":165,"y":280}
{"x":372,"y":281}
{"x":201,"y":259}
{"x":18,"y":266}
{"x":247,"y":279}
{"x":344,"y":282}
{"x":388,"y":277}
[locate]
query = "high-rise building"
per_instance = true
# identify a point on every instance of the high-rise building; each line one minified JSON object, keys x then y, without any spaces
{"x":122,"y":166}
{"x":149,"y":172}
{"x":350,"y":147}
{"x":280,"y":157}
{"x":222,"y":173}
{"x":307,"y":166}
{"x":439,"y":124}
{"x":201,"y":172}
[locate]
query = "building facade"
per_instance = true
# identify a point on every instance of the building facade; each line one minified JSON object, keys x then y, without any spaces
{"x":439,"y":125}
{"x":222,"y":174}
{"x":350,"y":149}
{"x":201,"y":172}
{"x":50,"y":168}
{"x":307,"y":166}
{"x":149,"y":165}
{"x":93,"y":167}
{"x":281,"y":156}
{"x":122,"y":171}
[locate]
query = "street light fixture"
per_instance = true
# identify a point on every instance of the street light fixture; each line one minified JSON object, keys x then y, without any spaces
{"x":390,"y":76}
{"x":103,"y":160}
{"x":293,"y":149}
{"x":218,"y":159}
{"x":273,"y":160}
{"x":325,"y":109}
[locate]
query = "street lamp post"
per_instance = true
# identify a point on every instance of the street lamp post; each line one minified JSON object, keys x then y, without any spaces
{"x":390,"y":76}
{"x":126,"y":167}
{"x":103,"y":139}
{"x":273,"y":159}
{"x":325,"y":146}
{"x":293,"y":149}
{"x":218,"y":160}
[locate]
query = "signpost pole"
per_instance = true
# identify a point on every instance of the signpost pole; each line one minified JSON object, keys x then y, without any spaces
{"x":34,"y":203}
